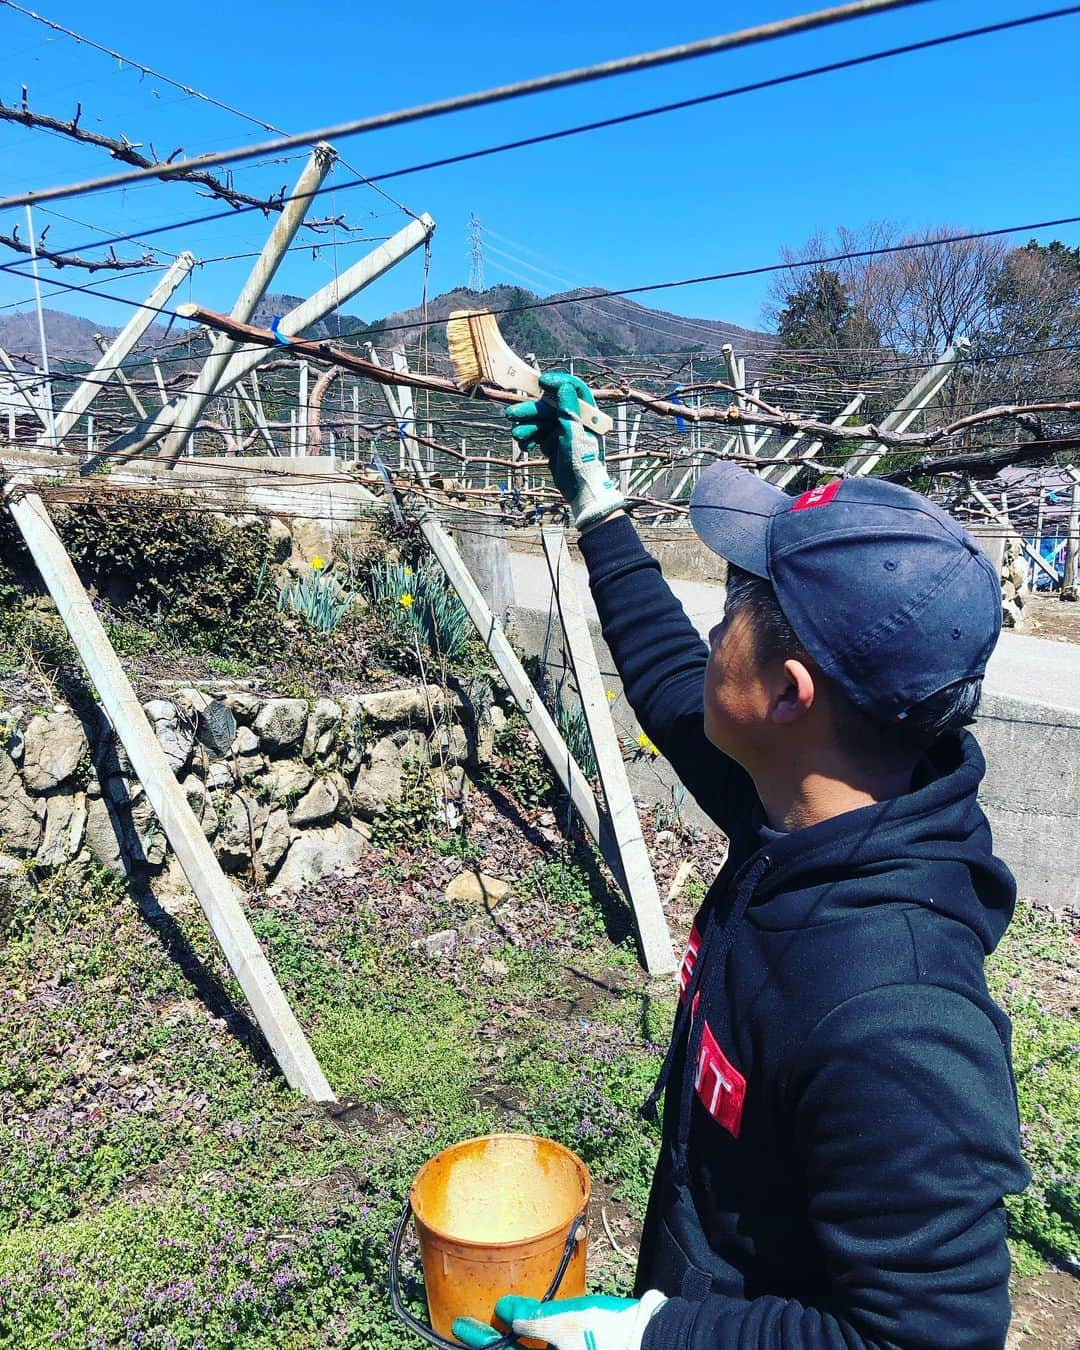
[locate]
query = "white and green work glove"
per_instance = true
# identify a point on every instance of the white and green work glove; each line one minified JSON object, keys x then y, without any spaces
{"x":575,"y":454}
{"x":596,"y":1323}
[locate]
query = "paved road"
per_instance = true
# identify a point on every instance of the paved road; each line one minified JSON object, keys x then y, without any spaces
{"x":1031,"y":668}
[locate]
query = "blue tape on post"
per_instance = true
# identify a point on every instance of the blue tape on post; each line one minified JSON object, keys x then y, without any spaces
{"x":279,"y":336}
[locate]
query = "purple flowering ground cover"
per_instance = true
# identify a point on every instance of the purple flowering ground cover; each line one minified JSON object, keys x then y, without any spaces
{"x":161,"y":1187}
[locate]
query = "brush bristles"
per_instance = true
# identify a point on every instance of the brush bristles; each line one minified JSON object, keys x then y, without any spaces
{"x":466,"y":345}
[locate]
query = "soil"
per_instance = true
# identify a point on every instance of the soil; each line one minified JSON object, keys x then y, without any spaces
{"x":1046,"y":1313}
{"x":1046,"y":616}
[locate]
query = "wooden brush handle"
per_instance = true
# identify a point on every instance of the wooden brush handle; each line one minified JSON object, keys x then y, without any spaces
{"x":591,"y":417}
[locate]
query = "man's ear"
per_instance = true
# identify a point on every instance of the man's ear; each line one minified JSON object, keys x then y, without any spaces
{"x":795,"y":697}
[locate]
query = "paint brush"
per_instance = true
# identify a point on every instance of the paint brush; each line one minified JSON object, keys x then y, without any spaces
{"x":481,"y":355}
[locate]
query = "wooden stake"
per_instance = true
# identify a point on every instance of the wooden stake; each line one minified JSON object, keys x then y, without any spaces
{"x":212,"y":888}
{"x":641,"y":888}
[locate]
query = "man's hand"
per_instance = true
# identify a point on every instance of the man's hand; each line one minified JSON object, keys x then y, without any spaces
{"x":596,"y":1323}
{"x":574,"y":454}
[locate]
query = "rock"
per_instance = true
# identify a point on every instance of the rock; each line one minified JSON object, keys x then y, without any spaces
{"x":378,"y":781}
{"x":219,"y":777}
{"x":11,"y":736}
{"x":101,"y":835}
{"x":496,"y":718}
{"x":172,"y":890}
{"x":198,"y":798}
{"x":685,"y":871}
{"x":243,"y":706}
{"x":53,"y":747}
{"x":449,"y":745}
{"x":452,"y":784}
{"x":438,"y":944}
{"x":310,"y":539}
{"x":321,"y":732}
{"x":281,"y":723}
{"x":149,"y":844}
{"x":314,"y":854}
{"x":20,"y":829}
{"x":279,"y":537}
{"x":413,"y":747}
{"x":238,"y":839}
{"x":317,"y":804}
{"x":341,"y":787}
{"x":14,"y":884}
{"x":275,"y":841}
{"x":287,"y":781}
{"x":391,"y":707}
{"x":65,"y":824}
{"x":494,"y":968}
{"x":478,"y":888}
{"x":175,"y":732}
{"x":245,"y":742}
{"x":475,"y":931}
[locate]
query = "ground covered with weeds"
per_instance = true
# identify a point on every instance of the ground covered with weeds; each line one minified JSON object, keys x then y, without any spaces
{"x":161,"y":1187}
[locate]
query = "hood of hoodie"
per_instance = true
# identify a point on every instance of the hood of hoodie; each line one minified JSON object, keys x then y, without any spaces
{"x":931,"y":847}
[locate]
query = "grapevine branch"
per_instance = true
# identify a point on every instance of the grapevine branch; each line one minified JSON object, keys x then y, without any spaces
{"x":1027,"y":415}
{"x":110,"y":264}
{"x":128,"y":152}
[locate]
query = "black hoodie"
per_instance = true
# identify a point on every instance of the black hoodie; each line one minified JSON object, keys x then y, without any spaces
{"x":832,"y":1173}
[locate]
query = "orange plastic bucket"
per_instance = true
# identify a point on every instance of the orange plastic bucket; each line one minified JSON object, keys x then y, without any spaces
{"x":498,"y":1215}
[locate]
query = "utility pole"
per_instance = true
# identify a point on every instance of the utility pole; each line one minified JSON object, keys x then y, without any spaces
{"x":49,"y":420}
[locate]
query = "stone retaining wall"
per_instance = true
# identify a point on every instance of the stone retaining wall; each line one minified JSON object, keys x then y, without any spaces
{"x":285,"y":788}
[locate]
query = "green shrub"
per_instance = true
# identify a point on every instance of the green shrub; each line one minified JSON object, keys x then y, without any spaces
{"x":199,"y":581}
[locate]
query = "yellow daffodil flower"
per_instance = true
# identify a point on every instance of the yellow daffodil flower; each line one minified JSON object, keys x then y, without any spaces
{"x":645,"y":744}
{"x":317,"y":563}
{"x":405,"y":601}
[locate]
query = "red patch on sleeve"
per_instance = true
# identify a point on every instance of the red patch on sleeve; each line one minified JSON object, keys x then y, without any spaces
{"x":720,"y":1087}
{"x":819,"y":496}
{"x":689,"y":961}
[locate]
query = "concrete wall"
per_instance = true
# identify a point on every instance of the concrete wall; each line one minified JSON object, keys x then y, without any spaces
{"x":1031,"y":793}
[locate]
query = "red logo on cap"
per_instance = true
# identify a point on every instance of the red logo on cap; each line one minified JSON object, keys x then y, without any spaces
{"x":819,"y":496}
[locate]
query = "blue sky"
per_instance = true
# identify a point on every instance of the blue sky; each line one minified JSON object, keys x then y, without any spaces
{"x":977,"y":135}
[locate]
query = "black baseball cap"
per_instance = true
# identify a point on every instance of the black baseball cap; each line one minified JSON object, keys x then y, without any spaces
{"x":889,"y":595}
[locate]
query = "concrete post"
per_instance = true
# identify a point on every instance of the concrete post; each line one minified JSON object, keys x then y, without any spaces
{"x":626,"y":827}
{"x":302,"y":410}
{"x":266,"y":265}
{"x":122,"y":380}
{"x":324,"y":301}
{"x":113,"y":356}
{"x":909,"y":407}
{"x":1068,"y":580}
{"x":210,"y":884}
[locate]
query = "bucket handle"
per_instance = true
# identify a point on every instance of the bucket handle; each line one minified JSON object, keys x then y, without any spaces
{"x":575,"y":1234}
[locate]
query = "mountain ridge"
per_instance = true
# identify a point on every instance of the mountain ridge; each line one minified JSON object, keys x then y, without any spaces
{"x":584,"y":322}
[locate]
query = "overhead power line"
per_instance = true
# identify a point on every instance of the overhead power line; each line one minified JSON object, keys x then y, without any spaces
{"x":583,"y":128}
{"x":137,"y":65}
{"x":540,"y":84}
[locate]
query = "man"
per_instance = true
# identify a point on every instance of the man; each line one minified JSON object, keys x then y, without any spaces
{"x":840,"y":1119}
